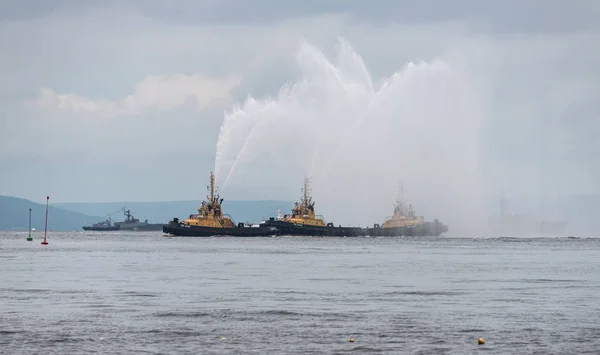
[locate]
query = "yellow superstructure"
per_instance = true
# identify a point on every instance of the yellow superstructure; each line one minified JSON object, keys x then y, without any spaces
{"x":210,"y":214}
{"x":304,"y":211}
{"x":404,"y":216}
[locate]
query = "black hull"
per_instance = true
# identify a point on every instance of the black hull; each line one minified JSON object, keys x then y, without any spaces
{"x":428,"y":229}
{"x":273,"y":227}
{"x":182,"y":230}
{"x":143,"y":227}
{"x":287,"y":228}
{"x":101,"y":229}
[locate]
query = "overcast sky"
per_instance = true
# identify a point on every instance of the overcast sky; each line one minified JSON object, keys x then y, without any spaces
{"x":123,"y":100}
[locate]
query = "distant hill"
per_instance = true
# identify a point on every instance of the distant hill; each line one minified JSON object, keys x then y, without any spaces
{"x":14,"y":215}
{"x":162,"y":212}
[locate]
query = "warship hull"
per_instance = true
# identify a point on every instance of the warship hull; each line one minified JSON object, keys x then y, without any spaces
{"x":142,"y":227}
{"x":185,"y":230}
{"x":288,"y":228}
{"x":101,"y":229}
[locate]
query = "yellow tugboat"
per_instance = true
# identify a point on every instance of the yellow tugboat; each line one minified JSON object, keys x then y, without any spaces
{"x":404,"y":221}
{"x":304,"y":211}
{"x":303,"y":220}
{"x":211,"y":221}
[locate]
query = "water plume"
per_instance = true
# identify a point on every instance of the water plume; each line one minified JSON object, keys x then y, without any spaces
{"x":357,"y":141}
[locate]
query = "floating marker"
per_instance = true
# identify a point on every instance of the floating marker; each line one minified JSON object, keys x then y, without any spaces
{"x":45,"y":242}
{"x":29,"y":239}
{"x":480,"y":341}
{"x":351,"y":340}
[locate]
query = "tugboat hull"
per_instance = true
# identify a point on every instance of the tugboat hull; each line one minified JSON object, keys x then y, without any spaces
{"x":427,"y":229}
{"x":287,"y":228}
{"x":185,"y":230}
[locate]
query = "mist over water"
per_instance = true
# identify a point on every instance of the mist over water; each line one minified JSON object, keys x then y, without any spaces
{"x":358,"y":140}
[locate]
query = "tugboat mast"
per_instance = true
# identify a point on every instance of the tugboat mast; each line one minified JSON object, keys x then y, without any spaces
{"x":306,"y":191}
{"x":212,"y":205}
{"x":400,"y":205}
{"x":211,"y":188}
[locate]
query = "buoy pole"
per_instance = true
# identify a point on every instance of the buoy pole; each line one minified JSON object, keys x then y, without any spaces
{"x":29,"y":239}
{"x":45,"y":242}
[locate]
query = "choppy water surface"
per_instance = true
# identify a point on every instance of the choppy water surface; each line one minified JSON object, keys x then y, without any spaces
{"x":145,"y":293}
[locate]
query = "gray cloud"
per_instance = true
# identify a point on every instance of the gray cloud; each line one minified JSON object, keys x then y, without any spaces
{"x":507,"y":16}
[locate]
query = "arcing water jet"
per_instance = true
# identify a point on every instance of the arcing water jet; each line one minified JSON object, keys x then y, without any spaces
{"x":422,"y":126}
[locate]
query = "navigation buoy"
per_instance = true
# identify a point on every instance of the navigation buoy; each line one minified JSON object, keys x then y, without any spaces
{"x":480,"y":341}
{"x":351,"y":340}
{"x":29,"y":239}
{"x":45,"y":242}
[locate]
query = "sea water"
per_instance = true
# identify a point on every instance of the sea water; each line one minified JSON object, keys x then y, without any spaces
{"x":117,"y":292}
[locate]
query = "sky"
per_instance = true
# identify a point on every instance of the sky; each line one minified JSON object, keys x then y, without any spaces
{"x":124,"y":100}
